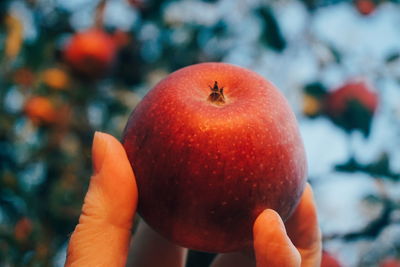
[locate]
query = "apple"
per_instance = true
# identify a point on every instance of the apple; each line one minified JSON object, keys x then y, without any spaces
{"x":328,"y":260}
{"x":352,"y":106}
{"x":91,"y":53}
{"x":358,"y":90}
{"x":365,"y":7}
{"x":213,"y":145}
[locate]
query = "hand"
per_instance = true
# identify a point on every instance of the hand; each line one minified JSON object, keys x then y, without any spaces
{"x":297,"y":245}
{"x":102,"y":237}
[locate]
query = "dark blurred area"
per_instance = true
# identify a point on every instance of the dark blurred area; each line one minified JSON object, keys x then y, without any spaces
{"x":70,"y":68}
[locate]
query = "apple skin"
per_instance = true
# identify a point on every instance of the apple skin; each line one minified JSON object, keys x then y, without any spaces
{"x":206,"y":171}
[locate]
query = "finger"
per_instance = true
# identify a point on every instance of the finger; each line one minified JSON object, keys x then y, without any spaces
{"x":151,"y":249}
{"x":234,"y":259}
{"x":272,"y":246}
{"x":303,"y":230}
{"x":102,"y":236}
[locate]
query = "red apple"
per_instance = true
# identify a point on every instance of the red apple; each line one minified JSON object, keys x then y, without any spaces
{"x":213,"y":145}
{"x":352,"y":106}
{"x":91,"y":53}
{"x":359,"y":91}
{"x":328,"y":260}
{"x":365,"y":7}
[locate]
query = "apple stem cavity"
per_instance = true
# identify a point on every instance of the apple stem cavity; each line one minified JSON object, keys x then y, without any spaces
{"x":217,"y":95}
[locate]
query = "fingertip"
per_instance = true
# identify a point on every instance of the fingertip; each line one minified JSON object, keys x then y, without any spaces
{"x":110,"y":160}
{"x":110,"y":156}
{"x":113,"y":181}
{"x":308,"y":195}
{"x":99,"y":150}
{"x":268,"y":218}
{"x":272,"y":246}
{"x":309,"y":188}
{"x":306,"y":208}
{"x":269,"y":227}
{"x":303,"y":228}
{"x":108,"y":210}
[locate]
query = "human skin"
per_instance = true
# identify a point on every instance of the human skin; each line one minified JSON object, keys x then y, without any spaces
{"x":103,"y":234}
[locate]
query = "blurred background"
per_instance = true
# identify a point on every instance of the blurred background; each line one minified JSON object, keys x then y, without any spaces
{"x":69,"y":68}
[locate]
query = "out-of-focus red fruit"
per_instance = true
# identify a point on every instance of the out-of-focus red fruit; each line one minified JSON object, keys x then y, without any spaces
{"x":24,"y":77}
{"x":365,"y":7}
{"x":328,"y":260}
{"x":390,"y":262}
{"x":137,"y":3}
{"x":41,"y":110}
{"x":352,"y":106}
{"x":359,"y":91}
{"x":121,"y":38}
{"x":212,"y":146}
{"x":23,"y":229}
{"x":91,"y":53}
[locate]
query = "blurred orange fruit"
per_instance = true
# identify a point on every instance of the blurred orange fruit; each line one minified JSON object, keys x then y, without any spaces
{"x":40,"y":110}
{"x":311,"y":105}
{"x":55,"y":78}
{"x":14,"y":38}
{"x":91,"y":53}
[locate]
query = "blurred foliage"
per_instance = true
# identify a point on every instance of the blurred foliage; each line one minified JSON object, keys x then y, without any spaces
{"x":50,"y":110}
{"x":378,"y":169}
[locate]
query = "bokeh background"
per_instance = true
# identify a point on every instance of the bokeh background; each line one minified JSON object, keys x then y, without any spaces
{"x":70,"y":68}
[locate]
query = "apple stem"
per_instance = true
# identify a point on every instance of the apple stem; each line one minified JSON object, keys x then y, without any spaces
{"x":217,"y":94}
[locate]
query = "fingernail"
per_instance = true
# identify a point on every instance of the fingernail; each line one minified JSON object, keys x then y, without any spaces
{"x":99,"y":150}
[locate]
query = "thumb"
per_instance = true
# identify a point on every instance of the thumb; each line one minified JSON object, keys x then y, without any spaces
{"x":102,"y":236}
{"x":272,"y":246}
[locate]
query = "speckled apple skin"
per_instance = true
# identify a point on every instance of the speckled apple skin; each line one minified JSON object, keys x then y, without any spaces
{"x":205,"y":172}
